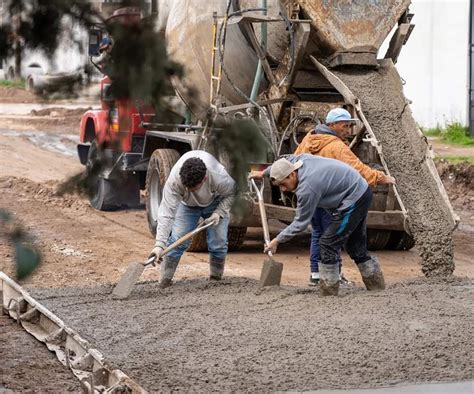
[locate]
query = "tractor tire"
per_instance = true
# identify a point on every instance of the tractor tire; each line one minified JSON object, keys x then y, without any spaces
{"x":377,"y":239}
{"x":103,"y":193}
{"x":235,"y":236}
{"x":400,"y":240}
{"x":159,"y":168}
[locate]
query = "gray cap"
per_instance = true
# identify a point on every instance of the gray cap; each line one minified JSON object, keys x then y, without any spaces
{"x":282,"y":168}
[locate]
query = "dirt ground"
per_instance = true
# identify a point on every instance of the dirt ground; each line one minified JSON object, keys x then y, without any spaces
{"x":29,"y":367}
{"x":14,"y":95}
{"x":443,"y":149}
{"x":83,"y":247}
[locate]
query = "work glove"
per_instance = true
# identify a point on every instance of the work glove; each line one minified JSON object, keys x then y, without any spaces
{"x":157,"y":252}
{"x":213,"y":218}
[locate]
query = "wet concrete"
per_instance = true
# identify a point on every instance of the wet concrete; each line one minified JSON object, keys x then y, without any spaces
{"x":405,"y":151}
{"x":434,"y":388}
{"x":229,"y":336}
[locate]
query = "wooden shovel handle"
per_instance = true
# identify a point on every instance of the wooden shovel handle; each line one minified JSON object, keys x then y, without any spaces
{"x":179,"y":241}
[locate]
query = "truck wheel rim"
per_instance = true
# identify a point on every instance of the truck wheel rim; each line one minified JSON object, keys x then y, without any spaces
{"x":155,"y":194}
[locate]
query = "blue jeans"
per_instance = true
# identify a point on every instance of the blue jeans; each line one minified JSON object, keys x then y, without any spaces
{"x":187,"y":219}
{"x":320,"y":222}
{"x":348,"y":229}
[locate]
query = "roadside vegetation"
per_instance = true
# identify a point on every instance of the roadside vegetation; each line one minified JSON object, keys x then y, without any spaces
{"x":456,"y":159}
{"x":452,"y":133}
{"x":19,"y":84}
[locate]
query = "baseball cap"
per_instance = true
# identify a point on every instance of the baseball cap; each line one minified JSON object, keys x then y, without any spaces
{"x":282,"y":168}
{"x":105,"y":42}
{"x":339,"y":115}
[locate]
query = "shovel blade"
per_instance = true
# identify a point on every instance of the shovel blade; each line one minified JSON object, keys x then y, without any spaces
{"x":271,"y":273}
{"x":125,"y":286}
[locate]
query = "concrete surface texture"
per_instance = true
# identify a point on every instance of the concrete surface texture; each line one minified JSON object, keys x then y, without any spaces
{"x":231,"y":336}
{"x":405,"y":151}
{"x":436,"y":388}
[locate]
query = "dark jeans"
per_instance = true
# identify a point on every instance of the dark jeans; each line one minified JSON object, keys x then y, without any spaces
{"x":349,"y":229}
{"x":320,"y":222}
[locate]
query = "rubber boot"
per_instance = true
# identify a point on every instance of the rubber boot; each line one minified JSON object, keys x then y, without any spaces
{"x":168,"y":268}
{"x":328,"y":279}
{"x":372,"y":275}
{"x":216,"y":268}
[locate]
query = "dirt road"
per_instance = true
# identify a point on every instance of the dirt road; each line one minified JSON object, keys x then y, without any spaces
{"x":83,"y":247}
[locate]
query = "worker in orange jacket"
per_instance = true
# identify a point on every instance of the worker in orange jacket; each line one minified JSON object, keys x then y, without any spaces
{"x":327,"y":140}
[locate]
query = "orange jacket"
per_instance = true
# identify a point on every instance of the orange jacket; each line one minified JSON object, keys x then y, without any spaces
{"x":331,"y":146}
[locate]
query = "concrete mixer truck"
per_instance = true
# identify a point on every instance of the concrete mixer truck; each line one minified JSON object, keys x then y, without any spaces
{"x":285,"y":63}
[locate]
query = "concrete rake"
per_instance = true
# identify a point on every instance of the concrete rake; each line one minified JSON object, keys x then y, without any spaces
{"x":134,"y":270}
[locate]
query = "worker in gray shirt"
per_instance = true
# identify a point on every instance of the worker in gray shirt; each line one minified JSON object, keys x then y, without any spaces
{"x":198,"y":187}
{"x":338,"y":188}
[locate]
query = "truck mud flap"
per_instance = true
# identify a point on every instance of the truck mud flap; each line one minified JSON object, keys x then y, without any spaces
{"x":83,"y":152}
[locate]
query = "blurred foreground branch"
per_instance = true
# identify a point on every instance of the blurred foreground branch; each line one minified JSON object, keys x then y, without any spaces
{"x":27,"y":256}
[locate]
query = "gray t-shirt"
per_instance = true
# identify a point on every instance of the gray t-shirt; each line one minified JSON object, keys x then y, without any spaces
{"x":218,"y":185}
{"x":324,"y":183}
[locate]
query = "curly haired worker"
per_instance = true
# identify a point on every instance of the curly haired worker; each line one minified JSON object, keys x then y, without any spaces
{"x":198,"y":187}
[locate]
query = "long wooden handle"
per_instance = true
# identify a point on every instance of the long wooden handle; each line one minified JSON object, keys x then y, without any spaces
{"x":263,"y":215}
{"x":185,"y":237}
{"x":179,"y":241}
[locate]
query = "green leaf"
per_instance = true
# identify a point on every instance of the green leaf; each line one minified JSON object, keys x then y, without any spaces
{"x":27,"y":259}
{"x":5,"y":216}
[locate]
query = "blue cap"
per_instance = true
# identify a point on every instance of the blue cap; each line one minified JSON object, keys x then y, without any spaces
{"x":105,"y":41}
{"x":339,"y":115}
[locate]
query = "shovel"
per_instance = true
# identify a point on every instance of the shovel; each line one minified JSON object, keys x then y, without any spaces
{"x":271,"y":269}
{"x":125,"y":286}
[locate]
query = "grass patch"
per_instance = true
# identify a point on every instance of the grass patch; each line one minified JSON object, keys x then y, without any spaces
{"x":433,"y":132}
{"x":453,"y":133}
{"x":456,"y":159}
{"x":456,"y":133}
{"x":19,"y":84}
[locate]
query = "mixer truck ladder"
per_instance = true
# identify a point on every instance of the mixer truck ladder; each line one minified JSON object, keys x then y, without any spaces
{"x":216,"y":70}
{"x":216,"y":76}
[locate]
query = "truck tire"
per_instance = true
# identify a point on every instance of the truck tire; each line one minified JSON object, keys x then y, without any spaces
{"x":159,"y":168}
{"x":235,"y":236}
{"x":377,"y":239}
{"x":102,"y":192}
{"x":400,"y":240}
{"x":30,"y":84}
